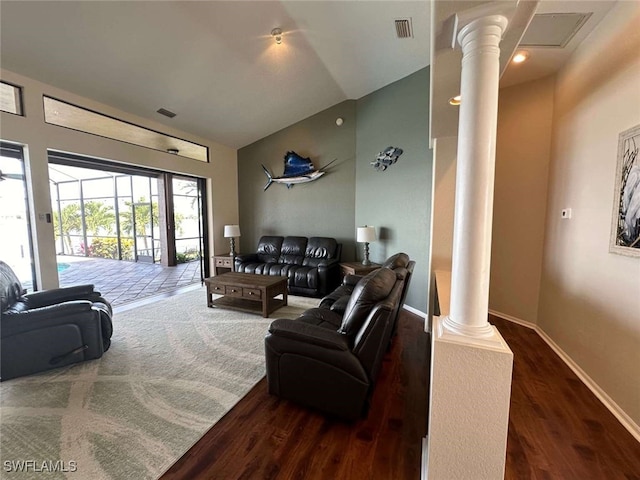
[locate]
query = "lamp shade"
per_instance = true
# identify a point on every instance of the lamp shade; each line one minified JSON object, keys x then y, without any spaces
{"x":231,"y":231}
{"x":366,"y":234}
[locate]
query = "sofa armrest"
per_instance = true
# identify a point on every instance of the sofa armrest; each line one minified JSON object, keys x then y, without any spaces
{"x":246,"y":257}
{"x":48,"y":316}
{"x":307,"y":333}
{"x":60,"y":295}
{"x":351,"y":280}
{"x":328,"y":263}
{"x":340,"y":305}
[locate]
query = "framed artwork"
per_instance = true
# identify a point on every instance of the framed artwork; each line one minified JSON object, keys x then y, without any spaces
{"x":625,"y":228}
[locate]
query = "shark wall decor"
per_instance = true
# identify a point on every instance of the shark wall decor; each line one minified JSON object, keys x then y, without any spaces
{"x":296,"y":170}
{"x":386,"y":158}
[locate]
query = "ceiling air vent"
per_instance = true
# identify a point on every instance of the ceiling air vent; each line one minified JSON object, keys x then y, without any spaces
{"x":403,"y":27}
{"x":166,"y":113}
{"x":553,"y":30}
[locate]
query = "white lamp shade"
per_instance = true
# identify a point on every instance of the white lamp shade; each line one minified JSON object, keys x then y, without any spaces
{"x":366,"y":234}
{"x":231,"y":231}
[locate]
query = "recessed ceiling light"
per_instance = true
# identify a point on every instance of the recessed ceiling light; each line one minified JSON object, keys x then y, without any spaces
{"x":454,"y":100}
{"x":520,"y":57}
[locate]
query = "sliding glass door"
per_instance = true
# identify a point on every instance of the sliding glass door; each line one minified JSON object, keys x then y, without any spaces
{"x":127,"y":213}
{"x":15,"y":239}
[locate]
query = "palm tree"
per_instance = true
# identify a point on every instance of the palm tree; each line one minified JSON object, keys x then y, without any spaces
{"x":98,"y":216}
{"x":70,"y":218}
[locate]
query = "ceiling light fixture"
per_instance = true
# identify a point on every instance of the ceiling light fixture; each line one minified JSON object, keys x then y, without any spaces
{"x":277,"y":34}
{"x":455,"y":100}
{"x":520,"y":57}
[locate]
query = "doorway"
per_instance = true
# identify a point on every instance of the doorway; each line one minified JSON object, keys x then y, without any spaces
{"x":15,"y":240}
{"x":110,"y":213}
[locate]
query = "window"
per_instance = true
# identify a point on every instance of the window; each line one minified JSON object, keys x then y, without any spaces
{"x":66,"y":115}
{"x":10,"y":98}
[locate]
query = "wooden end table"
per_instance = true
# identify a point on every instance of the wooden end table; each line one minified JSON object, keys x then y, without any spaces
{"x":223,"y":263}
{"x":247,"y":292}
{"x":357,"y":268}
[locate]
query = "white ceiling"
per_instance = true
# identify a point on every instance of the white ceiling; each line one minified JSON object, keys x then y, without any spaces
{"x":214,"y":63}
{"x":446,"y":62}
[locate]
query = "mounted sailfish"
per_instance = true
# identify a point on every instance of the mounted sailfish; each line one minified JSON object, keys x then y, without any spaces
{"x":296,"y":170}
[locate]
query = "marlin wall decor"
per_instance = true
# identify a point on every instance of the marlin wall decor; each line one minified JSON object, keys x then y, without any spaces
{"x":296,"y":170}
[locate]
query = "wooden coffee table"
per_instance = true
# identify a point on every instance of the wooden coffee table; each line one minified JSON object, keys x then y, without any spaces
{"x":247,"y":292}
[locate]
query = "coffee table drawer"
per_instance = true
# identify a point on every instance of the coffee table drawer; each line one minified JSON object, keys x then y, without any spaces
{"x":216,"y":289}
{"x":233,"y":291}
{"x":252,"y":293}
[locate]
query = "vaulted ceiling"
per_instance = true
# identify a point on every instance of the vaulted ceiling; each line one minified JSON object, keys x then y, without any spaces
{"x":216,"y":65}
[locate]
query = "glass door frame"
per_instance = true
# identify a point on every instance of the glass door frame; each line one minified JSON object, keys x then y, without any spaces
{"x":16,"y":151}
{"x":166,"y":179}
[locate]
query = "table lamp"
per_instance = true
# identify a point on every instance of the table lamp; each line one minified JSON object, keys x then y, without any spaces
{"x":231,"y":232}
{"x":366,"y":235}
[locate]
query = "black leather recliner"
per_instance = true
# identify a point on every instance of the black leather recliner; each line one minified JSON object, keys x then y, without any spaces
{"x":51,"y":328}
{"x":330,"y":361}
{"x":312,"y":265}
{"x":338,"y":299}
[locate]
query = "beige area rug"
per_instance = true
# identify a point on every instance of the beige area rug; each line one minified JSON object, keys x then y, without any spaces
{"x":175,"y":367}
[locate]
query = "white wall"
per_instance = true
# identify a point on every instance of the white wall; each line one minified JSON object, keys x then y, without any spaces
{"x":589,"y":298}
{"x":37,"y":136}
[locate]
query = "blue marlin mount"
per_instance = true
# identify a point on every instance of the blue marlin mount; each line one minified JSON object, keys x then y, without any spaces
{"x":296,"y":170}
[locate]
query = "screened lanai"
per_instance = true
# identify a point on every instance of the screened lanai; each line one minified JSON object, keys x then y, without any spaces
{"x":111,"y":230}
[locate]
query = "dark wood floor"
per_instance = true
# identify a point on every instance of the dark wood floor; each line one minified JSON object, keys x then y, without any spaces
{"x":557,"y":428}
{"x":263,"y":437}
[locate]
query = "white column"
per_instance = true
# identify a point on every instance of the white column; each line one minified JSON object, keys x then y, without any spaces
{"x":480,"y":41}
{"x":471,"y":364}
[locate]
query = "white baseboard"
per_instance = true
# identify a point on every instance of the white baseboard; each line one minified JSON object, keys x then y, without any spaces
{"x":425,"y":458}
{"x":420,"y":314}
{"x":415,"y":311}
{"x":608,"y":402}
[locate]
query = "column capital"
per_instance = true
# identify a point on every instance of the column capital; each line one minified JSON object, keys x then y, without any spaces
{"x":489,"y":28}
{"x":487,"y":13}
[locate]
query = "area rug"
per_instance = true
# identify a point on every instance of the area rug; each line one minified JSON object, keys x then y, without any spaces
{"x":174,"y":368}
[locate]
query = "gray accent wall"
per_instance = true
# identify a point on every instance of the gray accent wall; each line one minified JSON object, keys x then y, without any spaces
{"x":324,"y":207}
{"x":397,"y":201}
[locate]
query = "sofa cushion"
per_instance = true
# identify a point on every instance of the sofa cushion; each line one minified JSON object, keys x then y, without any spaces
{"x":292,"y":250}
{"x":370,"y":290}
{"x":303,"y":277}
{"x":321,"y":317}
{"x":321,"y":248}
{"x":269,"y":249}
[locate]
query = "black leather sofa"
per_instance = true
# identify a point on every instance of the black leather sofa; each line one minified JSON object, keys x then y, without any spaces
{"x":312,"y":265}
{"x":51,"y":328}
{"x":330,"y":361}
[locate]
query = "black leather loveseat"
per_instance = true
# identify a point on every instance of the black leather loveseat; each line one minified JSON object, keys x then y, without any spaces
{"x":51,"y":328}
{"x":329,"y":360}
{"x":337,"y":300}
{"x":312,"y":265}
